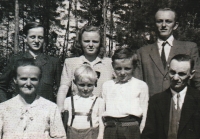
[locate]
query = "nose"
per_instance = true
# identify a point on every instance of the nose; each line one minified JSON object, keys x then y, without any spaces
{"x":85,"y":88}
{"x":122,"y":72}
{"x":36,"y":39}
{"x":28,"y":82}
{"x":90,"y":44}
{"x":176,"y":77}
{"x":163,"y":24}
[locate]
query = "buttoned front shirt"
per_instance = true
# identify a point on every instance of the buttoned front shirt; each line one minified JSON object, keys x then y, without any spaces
{"x":181,"y":98}
{"x":39,"y":120}
{"x":130,"y":98}
{"x":103,"y":66}
{"x":167,"y":47}
{"x":83,"y":105}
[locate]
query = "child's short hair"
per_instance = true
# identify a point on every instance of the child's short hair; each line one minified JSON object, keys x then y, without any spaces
{"x":125,"y":53}
{"x":85,"y":71}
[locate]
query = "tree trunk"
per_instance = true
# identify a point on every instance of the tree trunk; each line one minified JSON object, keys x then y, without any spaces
{"x":16,"y":39}
{"x":104,"y":22}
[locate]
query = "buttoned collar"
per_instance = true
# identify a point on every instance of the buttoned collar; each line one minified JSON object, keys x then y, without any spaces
{"x":182,"y":93}
{"x":22,"y":102}
{"x":92,"y":97}
{"x":169,"y":40}
{"x":85,"y":61}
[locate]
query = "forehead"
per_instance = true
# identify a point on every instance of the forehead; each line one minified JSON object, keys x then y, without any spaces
{"x":86,"y":80}
{"x":180,"y":66}
{"x":91,"y":34}
{"x":123,"y":62}
{"x":28,"y":71}
{"x":165,"y":15}
{"x":37,"y":30}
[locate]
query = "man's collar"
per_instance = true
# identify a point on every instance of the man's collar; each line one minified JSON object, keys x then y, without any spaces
{"x":169,"y":40}
{"x":182,"y":93}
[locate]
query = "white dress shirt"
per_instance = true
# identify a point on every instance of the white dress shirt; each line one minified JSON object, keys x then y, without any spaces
{"x":167,"y":46}
{"x":181,"y":98}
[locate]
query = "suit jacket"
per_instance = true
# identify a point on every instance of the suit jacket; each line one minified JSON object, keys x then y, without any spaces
{"x":157,"y":122}
{"x":51,"y":72}
{"x":150,"y":68}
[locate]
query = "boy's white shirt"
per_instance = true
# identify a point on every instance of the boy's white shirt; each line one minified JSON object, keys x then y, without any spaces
{"x":130,"y":98}
{"x":83,"y":105}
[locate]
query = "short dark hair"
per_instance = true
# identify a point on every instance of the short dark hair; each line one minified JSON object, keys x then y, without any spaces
{"x":184,"y":57}
{"x":90,"y":28}
{"x":126,"y":53}
{"x":24,"y":62}
{"x":169,"y":9}
{"x":31,"y":25}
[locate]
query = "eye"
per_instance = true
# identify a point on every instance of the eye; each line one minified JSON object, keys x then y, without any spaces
{"x":23,"y":79}
{"x":86,"y":41}
{"x":95,"y":41}
{"x":32,"y":37}
{"x":118,"y":68}
{"x":34,"y":79}
{"x":159,"y":21}
{"x":181,"y":74}
{"x":81,"y":85}
{"x":127,"y":68}
{"x":41,"y":37}
{"x":90,"y":85}
{"x":168,"y":21}
{"x":172,"y":72}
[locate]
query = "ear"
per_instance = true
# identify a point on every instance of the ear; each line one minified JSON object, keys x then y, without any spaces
{"x":14,"y":80}
{"x":176,"y":25}
{"x":192,"y":74}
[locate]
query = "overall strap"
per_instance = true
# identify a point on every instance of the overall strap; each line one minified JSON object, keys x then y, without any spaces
{"x":90,"y":113}
{"x":73,"y":110}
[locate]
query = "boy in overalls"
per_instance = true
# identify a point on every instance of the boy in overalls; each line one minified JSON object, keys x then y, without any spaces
{"x":85,"y":109}
{"x":126,"y":99}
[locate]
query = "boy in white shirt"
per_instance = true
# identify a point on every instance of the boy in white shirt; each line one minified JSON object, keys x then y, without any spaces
{"x":85,"y":109}
{"x":126,"y":99}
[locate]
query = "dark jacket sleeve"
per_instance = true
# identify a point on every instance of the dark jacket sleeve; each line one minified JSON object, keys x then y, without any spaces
{"x":5,"y":79}
{"x":149,"y":131}
{"x":58,"y":72}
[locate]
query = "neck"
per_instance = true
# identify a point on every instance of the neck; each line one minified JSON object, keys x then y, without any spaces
{"x":28,"y":99}
{"x":90,"y":58}
{"x":34,"y":53}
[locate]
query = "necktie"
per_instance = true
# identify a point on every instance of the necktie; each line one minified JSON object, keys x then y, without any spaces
{"x":178,"y":104}
{"x":163,"y":58}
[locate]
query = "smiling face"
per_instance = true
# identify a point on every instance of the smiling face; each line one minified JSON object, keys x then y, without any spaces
{"x":90,"y":43}
{"x":166,"y":24}
{"x":179,"y":73}
{"x":85,"y":87}
{"x":35,"y":39}
{"x":27,"y":79}
{"x":123,"y":69}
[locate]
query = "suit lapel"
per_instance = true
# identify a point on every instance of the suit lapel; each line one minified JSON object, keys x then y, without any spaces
{"x":155,"y":56}
{"x":41,"y":59}
{"x":173,"y":51}
{"x":164,"y":105}
{"x":188,"y":109}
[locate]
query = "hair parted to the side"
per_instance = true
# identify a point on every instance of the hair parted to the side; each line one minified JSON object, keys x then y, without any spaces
{"x":22,"y":63}
{"x":89,"y":28}
{"x":126,"y":53}
{"x":184,"y":57}
{"x":169,"y":9}
{"x":31,"y":25}
{"x":85,"y":71}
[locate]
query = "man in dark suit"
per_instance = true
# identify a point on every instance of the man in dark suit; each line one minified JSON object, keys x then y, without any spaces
{"x":175,"y":113}
{"x":154,"y":58}
{"x":51,"y":67}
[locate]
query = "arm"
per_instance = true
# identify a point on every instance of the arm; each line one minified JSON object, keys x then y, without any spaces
{"x":144,"y":98}
{"x":150,"y":128}
{"x":57,"y":130}
{"x":58,"y":71}
{"x":101,"y":125}
{"x":65,"y":83}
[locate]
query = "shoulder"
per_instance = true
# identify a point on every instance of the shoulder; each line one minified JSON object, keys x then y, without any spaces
{"x":52,"y":58}
{"x":108,"y":83}
{"x":185,"y":43}
{"x":146,"y":48}
{"x":68,"y":60}
{"x":138,"y":81}
{"x":46,"y":103}
{"x":106,"y":60}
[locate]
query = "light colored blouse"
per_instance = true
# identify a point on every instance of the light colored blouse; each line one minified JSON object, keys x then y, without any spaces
{"x":39,"y":120}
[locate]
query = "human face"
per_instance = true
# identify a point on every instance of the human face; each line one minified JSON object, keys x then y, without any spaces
{"x":35,"y":39}
{"x":85,"y":87}
{"x":123,"y":69}
{"x":27,"y":79}
{"x":179,"y":73}
{"x":165,"y":22}
{"x":90,"y":43}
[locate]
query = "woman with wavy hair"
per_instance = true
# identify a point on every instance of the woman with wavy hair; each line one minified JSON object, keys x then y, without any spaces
{"x":91,"y":52}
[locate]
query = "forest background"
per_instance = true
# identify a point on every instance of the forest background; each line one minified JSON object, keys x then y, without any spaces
{"x":125,"y":23}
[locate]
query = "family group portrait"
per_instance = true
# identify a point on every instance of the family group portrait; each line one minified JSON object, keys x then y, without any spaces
{"x":99,"y":69}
